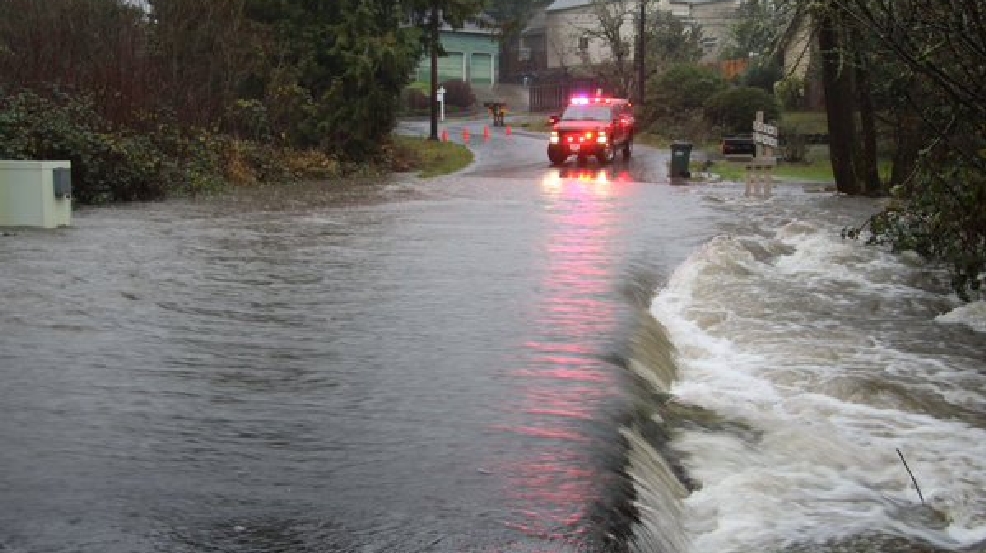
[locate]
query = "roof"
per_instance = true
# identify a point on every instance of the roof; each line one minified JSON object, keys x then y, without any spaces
{"x":536,"y":25}
{"x":470,"y":27}
{"x":559,"y":5}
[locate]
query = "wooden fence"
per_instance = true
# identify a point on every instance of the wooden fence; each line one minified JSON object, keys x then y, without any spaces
{"x":554,"y":96}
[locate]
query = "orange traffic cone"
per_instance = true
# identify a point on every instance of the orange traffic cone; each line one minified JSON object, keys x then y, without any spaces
{"x":508,"y":130}
{"x":465,"y":135}
{"x":486,"y":132}
{"x":445,"y":135}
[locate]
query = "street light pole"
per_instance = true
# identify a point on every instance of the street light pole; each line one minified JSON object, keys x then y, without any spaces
{"x":641,"y":48}
{"x":434,"y":73}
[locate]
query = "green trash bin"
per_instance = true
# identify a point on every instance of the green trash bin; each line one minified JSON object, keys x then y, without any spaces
{"x":681,"y":153}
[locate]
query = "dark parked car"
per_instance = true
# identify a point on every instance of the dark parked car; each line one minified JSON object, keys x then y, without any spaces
{"x":739,"y":146}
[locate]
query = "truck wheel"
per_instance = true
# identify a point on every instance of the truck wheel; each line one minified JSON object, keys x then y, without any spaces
{"x":628,"y":149}
{"x":557,"y":159}
{"x":606,"y":156}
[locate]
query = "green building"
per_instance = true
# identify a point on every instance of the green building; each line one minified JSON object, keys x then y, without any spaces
{"x":472,"y":55}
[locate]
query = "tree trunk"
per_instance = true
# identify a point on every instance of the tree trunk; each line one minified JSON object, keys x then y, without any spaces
{"x":868,"y":164}
{"x":908,"y":142}
{"x":838,"y":104}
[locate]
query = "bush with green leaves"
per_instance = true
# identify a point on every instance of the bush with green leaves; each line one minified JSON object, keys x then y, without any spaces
{"x":938,"y":214}
{"x":459,"y":93}
{"x":790,"y":92}
{"x":248,"y":119}
{"x":678,"y":92}
{"x":415,"y":100}
{"x":762,"y":76}
{"x":793,"y":144}
{"x":108,"y":163}
{"x":735,"y":109}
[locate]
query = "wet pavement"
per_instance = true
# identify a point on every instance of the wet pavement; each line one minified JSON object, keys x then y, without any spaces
{"x":388,"y":366}
{"x":453,"y":365}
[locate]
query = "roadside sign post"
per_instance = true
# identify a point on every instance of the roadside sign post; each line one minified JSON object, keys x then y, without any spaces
{"x":441,"y":102}
{"x":758,"y":170}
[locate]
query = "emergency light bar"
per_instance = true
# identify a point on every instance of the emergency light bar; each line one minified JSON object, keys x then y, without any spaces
{"x":585,"y":100}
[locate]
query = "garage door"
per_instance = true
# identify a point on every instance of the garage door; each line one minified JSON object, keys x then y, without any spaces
{"x":449,"y":67}
{"x":481,"y":69}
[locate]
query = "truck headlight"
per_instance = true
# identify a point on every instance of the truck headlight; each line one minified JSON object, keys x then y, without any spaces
{"x":602,"y":138}
{"x":554,"y":139}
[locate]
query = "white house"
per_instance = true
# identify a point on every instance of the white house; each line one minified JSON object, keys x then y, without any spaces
{"x":572,"y":28}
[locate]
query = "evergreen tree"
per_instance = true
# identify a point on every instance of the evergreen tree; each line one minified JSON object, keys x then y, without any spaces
{"x":346,"y":62}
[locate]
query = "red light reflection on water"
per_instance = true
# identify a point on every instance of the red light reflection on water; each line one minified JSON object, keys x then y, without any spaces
{"x":564,"y":382}
{"x":569,"y":373}
{"x":559,"y":348}
{"x":583,"y":182}
{"x":552,"y":433}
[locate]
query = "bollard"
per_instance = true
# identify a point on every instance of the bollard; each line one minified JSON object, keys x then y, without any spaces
{"x":486,"y":132}
{"x":465,"y":135}
{"x":508,"y":130}
{"x":758,"y":177}
{"x":445,"y":135}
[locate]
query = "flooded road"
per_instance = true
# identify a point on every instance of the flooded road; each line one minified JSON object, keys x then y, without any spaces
{"x":469,"y":364}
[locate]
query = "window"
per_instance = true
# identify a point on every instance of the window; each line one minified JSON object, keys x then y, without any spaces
{"x":583,"y":42}
{"x":587,"y":113}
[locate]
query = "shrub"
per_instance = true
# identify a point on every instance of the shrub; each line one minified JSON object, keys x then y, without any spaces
{"x":938,"y":214}
{"x":150,"y":161}
{"x":735,"y":109}
{"x":689,"y":125}
{"x":790,"y":92}
{"x":108,"y":163}
{"x":248,"y":119}
{"x":793,"y":144}
{"x":459,"y":94}
{"x":680,"y":90}
{"x":311,"y":164}
{"x":416,"y":99}
{"x":762,"y":77}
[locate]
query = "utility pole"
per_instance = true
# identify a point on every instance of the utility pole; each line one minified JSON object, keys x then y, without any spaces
{"x":434,"y":72}
{"x":641,"y":49}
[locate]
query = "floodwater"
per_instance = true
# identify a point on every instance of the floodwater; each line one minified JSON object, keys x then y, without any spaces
{"x":516,"y":358}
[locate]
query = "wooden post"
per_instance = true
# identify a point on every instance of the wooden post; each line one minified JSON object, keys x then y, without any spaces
{"x":756,"y":132}
{"x":758,"y":171}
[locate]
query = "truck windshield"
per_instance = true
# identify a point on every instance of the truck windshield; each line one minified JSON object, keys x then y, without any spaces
{"x":587,"y":113}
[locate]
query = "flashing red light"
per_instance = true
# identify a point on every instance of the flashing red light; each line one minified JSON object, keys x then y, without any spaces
{"x":585,"y":100}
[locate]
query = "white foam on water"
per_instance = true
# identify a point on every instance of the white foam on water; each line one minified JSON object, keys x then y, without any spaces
{"x":781,"y":346}
{"x":972,"y":315}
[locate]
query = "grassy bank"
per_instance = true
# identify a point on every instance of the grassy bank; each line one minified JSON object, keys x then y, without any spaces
{"x":429,"y":158}
{"x":807,"y":122}
{"x":535,"y":124}
{"x":817,"y":171}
